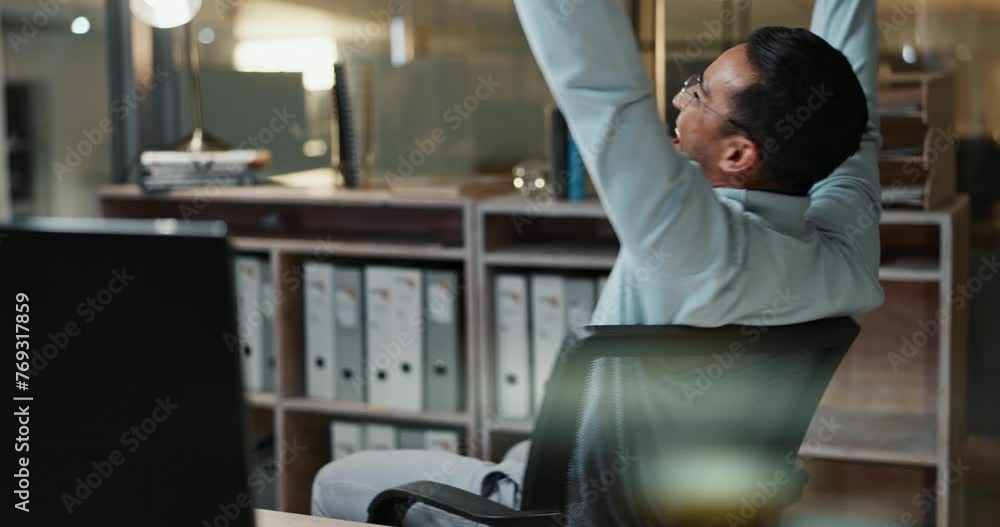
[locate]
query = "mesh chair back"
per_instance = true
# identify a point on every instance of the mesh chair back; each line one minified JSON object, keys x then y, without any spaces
{"x":641,"y":423}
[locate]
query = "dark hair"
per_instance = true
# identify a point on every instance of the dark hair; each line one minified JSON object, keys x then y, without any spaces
{"x":807,"y":112}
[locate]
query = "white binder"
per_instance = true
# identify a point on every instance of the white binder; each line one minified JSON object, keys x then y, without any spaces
{"x":548,"y":327}
{"x":395,"y":337}
{"x":408,"y":304}
{"x":579,"y":294}
{"x":268,"y":308}
{"x":411,"y":439}
{"x":319,"y":326}
{"x":378,"y":332}
{"x":380,"y":437}
{"x":250,"y":321}
{"x":349,"y":380}
{"x":444,"y":368}
{"x":443,"y":440}
{"x":512,"y":346}
{"x":346,"y":438}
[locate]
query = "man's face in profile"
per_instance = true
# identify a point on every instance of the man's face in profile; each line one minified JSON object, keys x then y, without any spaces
{"x":704,"y":128}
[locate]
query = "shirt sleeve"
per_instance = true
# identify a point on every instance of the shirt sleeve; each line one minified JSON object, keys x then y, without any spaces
{"x":658,"y":201}
{"x":847,"y":204}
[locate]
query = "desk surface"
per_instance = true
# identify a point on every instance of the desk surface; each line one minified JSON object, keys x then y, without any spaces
{"x":284,"y":519}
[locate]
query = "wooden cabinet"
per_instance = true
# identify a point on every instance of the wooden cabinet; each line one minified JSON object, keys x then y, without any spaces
{"x":897,"y":402}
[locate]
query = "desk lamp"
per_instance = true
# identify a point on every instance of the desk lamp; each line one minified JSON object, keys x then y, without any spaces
{"x":167,"y":14}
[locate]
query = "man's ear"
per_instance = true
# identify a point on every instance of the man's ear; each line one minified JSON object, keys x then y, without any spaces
{"x":739,"y":155}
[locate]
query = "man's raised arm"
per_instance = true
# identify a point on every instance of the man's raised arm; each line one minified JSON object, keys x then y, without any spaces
{"x":847,"y":204}
{"x":658,"y":202}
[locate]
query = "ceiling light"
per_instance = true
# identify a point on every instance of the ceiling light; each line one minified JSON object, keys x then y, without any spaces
{"x":80,"y":25}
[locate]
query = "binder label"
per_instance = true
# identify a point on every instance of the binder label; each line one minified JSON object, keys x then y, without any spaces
{"x":441,"y":303}
{"x":347,"y":307}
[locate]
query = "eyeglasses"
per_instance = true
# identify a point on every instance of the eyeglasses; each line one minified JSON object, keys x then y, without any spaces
{"x":693,"y":82}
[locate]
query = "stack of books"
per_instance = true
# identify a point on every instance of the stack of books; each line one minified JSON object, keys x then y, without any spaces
{"x":568,"y":177}
{"x":170,"y":169}
{"x":917,"y":163}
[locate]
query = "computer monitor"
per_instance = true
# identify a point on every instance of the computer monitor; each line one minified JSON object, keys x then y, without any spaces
{"x":131,"y":409}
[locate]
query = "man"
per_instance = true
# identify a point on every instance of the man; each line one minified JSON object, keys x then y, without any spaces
{"x":763,"y":212}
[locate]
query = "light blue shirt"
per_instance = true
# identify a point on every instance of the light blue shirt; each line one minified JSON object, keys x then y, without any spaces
{"x":691,"y":254}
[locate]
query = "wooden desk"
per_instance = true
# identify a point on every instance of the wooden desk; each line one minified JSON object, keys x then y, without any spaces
{"x":284,"y":519}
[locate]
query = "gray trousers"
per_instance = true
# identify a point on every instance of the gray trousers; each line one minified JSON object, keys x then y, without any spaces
{"x":344,"y":488}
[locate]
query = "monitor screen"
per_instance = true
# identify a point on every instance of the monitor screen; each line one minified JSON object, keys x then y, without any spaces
{"x":128,"y":403}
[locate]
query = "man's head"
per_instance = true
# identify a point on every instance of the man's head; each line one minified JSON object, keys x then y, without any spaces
{"x":778,"y":113}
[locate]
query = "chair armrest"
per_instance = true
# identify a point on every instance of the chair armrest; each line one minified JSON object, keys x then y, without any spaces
{"x":799,"y":480}
{"x":390,"y":506}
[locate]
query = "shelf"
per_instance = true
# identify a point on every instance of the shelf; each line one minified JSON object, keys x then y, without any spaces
{"x":553,"y":256}
{"x":875,"y":437}
{"x":925,"y":217}
{"x":534,"y":207}
{"x":524,"y":426}
{"x":365,"y":411}
{"x":515,"y":204}
{"x":279,"y":195}
{"x":910,"y":270}
{"x":262,"y":400}
{"x":358,"y":249}
{"x":251,"y":245}
{"x":562,"y":256}
{"x":911,"y":110}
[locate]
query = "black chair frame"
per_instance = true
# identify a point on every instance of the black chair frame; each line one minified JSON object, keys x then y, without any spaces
{"x":544,"y":492}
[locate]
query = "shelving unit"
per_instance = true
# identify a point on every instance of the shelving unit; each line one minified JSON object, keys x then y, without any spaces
{"x":362,"y":410}
{"x":289,"y":227}
{"x":917,"y":110}
{"x":900,"y":416}
{"x":262,"y":399}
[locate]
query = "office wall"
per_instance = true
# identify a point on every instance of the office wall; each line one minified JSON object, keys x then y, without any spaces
{"x":456,"y":41}
{"x":457,"y":44}
{"x":69,"y":81}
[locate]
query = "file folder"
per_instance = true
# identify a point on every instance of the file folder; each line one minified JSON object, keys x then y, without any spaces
{"x":579,"y":294}
{"x":512,"y":346}
{"x":442,"y":440}
{"x":250,"y":323}
{"x":319,"y":322}
{"x":408,"y":302}
{"x":395,"y":337}
{"x":548,"y":327}
{"x":268,"y":308}
{"x":380,"y":437}
{"x":346,"y":438}
{"x":445,"y":371}
{"x":378,"y":332}
{"x":411,"y":439}
{"x":349,"y":383}
{"x":602,"y":284}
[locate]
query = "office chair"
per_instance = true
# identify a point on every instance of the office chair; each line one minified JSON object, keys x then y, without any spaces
{"x":662,"y":425}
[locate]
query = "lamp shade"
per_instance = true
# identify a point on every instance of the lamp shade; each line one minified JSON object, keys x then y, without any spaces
{"x":165,"y":13}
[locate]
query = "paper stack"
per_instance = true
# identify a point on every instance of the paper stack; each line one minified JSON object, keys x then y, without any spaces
{"x":169,"y":169}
